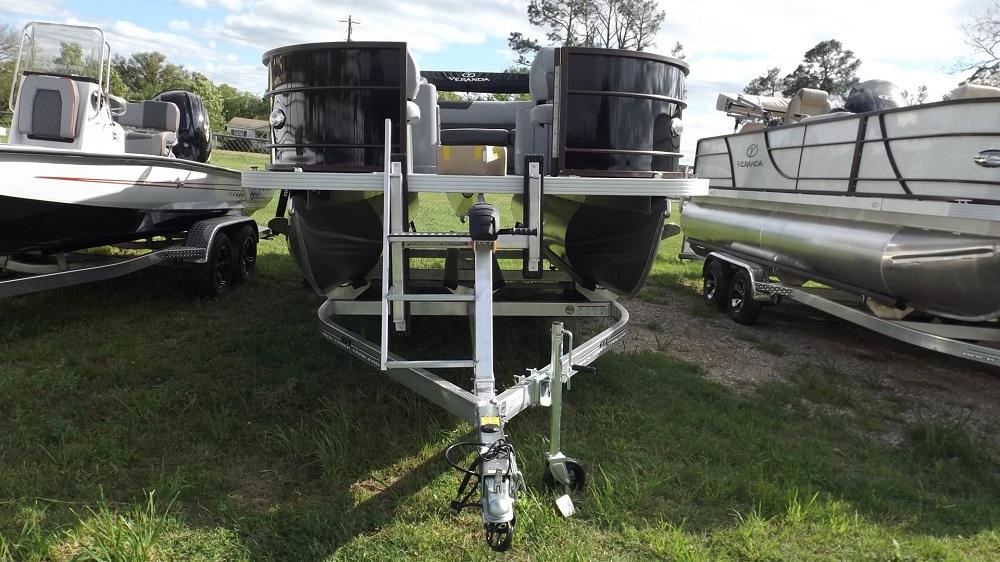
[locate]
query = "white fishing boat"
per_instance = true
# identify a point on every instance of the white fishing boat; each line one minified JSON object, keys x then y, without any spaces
{"x":84,"y":168}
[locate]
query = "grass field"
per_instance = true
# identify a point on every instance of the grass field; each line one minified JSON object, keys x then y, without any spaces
{"x":140,"y":423}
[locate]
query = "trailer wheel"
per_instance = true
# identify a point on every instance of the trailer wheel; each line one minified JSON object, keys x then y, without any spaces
{"x":577,"y":476}
{"x":216,"y":275}
{"x":742,"y":308}
{"x":246,"y":253}
{"x":717,"y":278}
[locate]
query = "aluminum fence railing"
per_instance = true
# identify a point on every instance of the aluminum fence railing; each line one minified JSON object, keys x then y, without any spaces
{"x":238,"y":143}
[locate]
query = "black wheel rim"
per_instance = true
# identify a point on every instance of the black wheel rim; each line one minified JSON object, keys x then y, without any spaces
{"x":711,"y":287}
{"x":223,"y":265}
{"x":249,"y":256}
{"x":739,"y":296}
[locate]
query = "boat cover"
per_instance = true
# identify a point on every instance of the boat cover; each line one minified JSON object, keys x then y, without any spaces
{"x":750,"y":105}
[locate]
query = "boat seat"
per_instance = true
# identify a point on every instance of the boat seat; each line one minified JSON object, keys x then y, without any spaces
{"x":150,"y":127}
{"x":150,"y":116}
{"x":751,"y":126}
{"x":806,"y":102}
{"x":465,"y":137}
{"x":832,"y":115}
{"x":969,"y":91}
{"x":534,"y":124}
{"x":426,"y":131}
{"x":148,"y":142}
{"x":47,"y":108}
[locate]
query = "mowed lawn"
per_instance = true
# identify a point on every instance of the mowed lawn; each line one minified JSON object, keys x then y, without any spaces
{"x":138,"y":422}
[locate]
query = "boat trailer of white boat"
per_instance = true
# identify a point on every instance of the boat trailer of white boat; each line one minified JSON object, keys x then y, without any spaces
{"x":742,"y":287}
{"x":222,"y":250}
{"x":494,"y":473}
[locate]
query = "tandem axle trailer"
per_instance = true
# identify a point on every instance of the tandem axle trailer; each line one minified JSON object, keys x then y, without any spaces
{"x":742,"y":287}
{"x":222,"y":251}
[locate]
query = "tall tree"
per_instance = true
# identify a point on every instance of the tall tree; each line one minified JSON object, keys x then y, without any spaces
{"x":768,"y":84}
{"x":70,"y":59}
{"x":827,"y":66}
{"x":9,"y":39}
{"x":147,"y":74}
{"x":982,"y":34}
{"x":613,"y":24}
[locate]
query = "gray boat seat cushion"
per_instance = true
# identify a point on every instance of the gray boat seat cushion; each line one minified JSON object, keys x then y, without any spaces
{"x":467,"y":137}
{"x":542,"y":114}
{"x":807,"y":101}
{"x":412,"y":113}
{"x":47,"y":107}
{"x":426,"y":131}
{"x":542,"y":77}
{"x":968,"y":91}
{"x":151,"y":115}
{"x":412,"y":77}
{"x":146,"y":142}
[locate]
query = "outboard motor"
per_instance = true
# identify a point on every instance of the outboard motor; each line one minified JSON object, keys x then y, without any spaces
{"x":194,"y":132}
{"x":873,"y":95}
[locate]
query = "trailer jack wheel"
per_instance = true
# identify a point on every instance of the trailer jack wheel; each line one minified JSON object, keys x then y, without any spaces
{"x":500,"y":535}
{"x":575,"y":474}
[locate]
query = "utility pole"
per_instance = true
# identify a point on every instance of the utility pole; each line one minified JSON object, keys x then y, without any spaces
{"x":351,"y":22}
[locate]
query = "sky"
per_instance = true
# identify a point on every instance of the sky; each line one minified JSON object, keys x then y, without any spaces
{"x":727,"y":42}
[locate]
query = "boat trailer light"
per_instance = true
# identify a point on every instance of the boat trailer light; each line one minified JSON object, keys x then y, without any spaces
{"x":676,"y":127}
{"x":988,"y":158}
{"x":277,"y":118}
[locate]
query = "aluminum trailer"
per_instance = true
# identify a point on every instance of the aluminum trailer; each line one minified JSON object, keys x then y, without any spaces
{"x":742,"y":287}
{"x":223,"y":251}
{"x":494,"y":475}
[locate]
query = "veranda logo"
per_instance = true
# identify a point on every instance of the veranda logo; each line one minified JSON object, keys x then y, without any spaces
{"x":751,"y":152}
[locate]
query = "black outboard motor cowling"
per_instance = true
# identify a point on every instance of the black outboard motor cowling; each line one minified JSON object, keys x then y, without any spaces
{"x":194,"y":137}
{"x":873,"y":95}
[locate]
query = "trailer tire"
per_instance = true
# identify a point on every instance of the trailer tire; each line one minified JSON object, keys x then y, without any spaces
{"x":577,"y":476}
{"x":742,"y":308}
{"x":245,"y":253}
{"x":216,"y":275}
{"x":716,"y":279}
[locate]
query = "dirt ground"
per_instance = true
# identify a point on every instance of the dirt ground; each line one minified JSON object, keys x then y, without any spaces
{"x":791,"y":337}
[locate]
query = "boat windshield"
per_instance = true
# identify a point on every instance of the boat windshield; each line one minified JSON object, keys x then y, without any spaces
{"x":66,"y":50}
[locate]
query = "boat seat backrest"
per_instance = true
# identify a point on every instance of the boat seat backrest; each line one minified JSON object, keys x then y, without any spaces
{"x":151,"y":116}
{"x":47,"y":107}
{"x":807,"y":101}
{"x":413,"y":79}
{"x":426,"y":131}
{"x":969,"y":91}
{"x":542,"y":76}
{"x":469,"y":137}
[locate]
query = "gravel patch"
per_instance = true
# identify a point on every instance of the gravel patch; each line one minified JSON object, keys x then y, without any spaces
{"x":790,"y":337}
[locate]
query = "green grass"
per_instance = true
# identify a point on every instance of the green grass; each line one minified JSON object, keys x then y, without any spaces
{"x":238,"y":160}
{"x":141,"y":423}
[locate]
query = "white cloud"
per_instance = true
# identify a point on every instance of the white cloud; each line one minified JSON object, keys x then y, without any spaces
{"x":199,"y":4}
{"x":179,"y":25}
{"x":728,"y":44}
{"x":426,"y":26}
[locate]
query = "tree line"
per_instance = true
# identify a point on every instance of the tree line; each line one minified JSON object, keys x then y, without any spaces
{"x":141,"y":76}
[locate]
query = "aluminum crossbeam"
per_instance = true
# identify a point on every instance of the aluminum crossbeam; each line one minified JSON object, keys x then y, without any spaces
{"x":434,"y":183}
